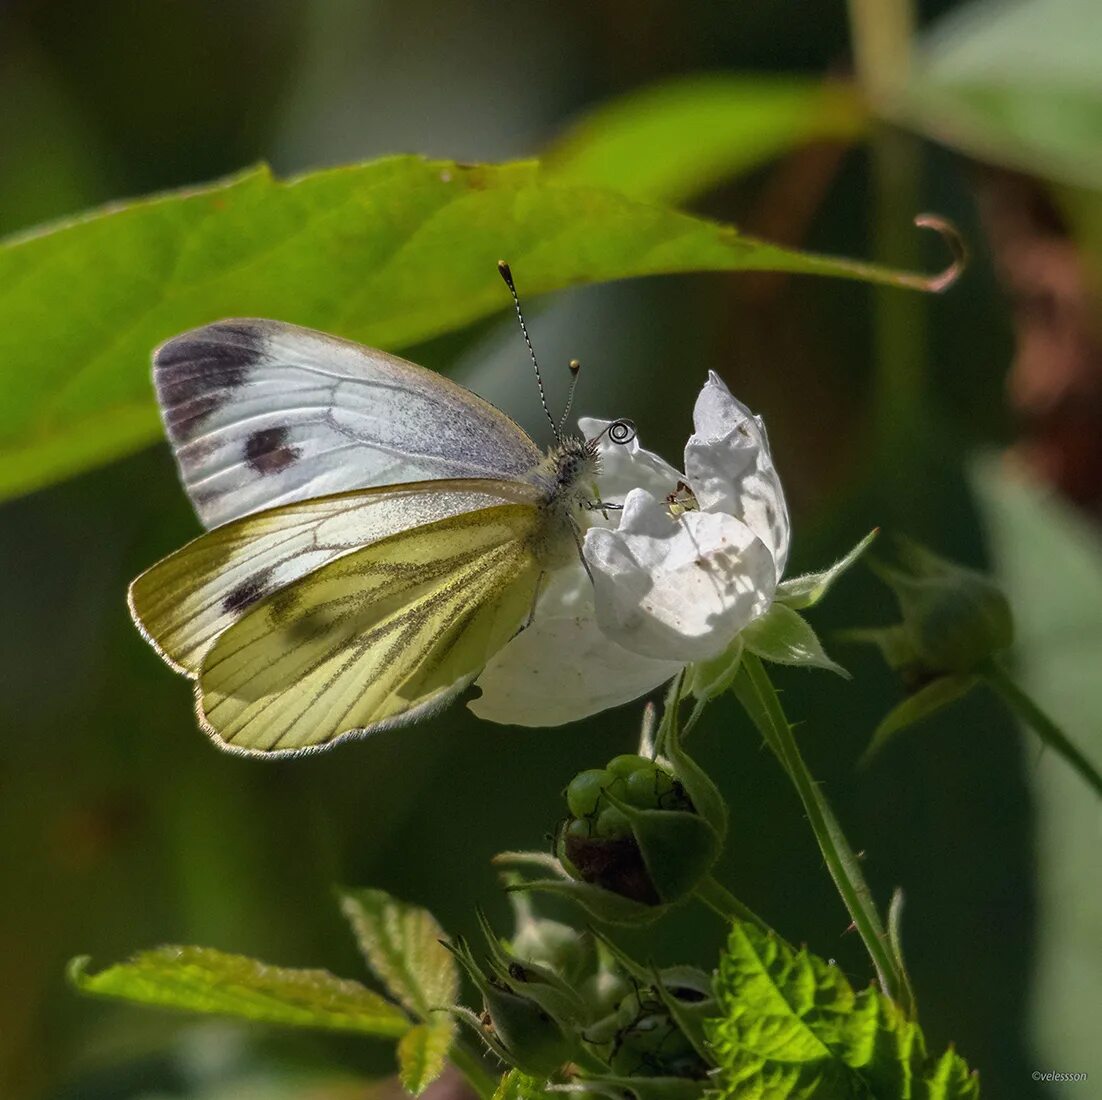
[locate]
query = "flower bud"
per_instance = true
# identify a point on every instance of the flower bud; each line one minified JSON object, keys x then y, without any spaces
{"x":523,"y":1030}
{"x":558,"y":947}
{"x":954,"y":619}
{"x":636,"y":829}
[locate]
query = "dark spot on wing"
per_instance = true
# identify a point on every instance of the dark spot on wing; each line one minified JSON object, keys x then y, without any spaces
{"x":268,"y":452}
{"x":247,"y":593}
{"x":197,"y":372}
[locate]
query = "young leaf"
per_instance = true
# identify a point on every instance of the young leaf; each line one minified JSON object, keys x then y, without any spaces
{"x":389,"y":252}
{"x":791,"y":1025}
{"x":928,"y":700}
{"x":781,"y":635}
{"x":423,"y":1053}
{"x":708,"y":128}
{"x":516,"y":1086}
{"x":199,"y":979}
{"x":807,"y":590}
{"x":401,"y":944}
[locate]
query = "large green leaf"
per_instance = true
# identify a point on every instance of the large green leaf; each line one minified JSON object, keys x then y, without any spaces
{"x":199,"y":979}
{"x":401,"y":944}
{"x":1016,"y":83}
{"x":389,"y":252}
{"x":792,"y":1026}
{"x":674,"y":140}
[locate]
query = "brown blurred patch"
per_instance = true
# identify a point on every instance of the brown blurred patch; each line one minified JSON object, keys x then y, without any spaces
{"x":1055,"y":380}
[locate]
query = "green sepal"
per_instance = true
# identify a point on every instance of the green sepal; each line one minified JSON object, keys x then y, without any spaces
{"x":678,"y":848}
{"x":927,"y":701}
{"x":702,"y":792}
{"x":784,"y":637}
{"x":807,"y":590}
{"x":530,"y":979}
{"x":534,"y":1040}
{"x":604,"y":905}
{"x":710,"y":679}
{"x":690,"y":1016}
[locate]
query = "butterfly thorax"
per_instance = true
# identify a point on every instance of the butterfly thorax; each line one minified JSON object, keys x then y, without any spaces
{"x":566,"y":477}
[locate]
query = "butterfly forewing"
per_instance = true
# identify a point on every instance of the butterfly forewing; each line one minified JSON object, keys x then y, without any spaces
{"x":185,"y":601}
{"x":378,"y":637}
{"x":262,"y":413}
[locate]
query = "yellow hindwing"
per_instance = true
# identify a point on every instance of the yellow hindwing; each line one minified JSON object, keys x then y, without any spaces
{"x":378,"y":637}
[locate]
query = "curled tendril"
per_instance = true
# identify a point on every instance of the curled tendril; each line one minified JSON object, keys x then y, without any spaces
{"x":621,"y":431}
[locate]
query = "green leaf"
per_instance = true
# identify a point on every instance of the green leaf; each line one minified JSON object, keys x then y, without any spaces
{"x":401,"y":944}
{"x":1017,"y":84}
{"x":784,"y":637}
{"x":807,"y":590}
{"x":674,"y":140}
{"x":199,"y":979}
{"x":928,"y":700}
{"x":423,"y":1053}
{"x":518,"y":1086}
{"x":389,"y":252}
{"x":792,"y":1026}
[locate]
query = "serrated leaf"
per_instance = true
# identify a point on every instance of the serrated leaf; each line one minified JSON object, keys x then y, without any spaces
{"x":784,"y":637}
{"x":807,"y":590}
{"x":389,"y":252}
{"x":199,"y":979}
{"x":792,"y":1026}
{"x":707,"y":129}
{"x":401,"y":944}
{"x":927,"y":701}
{"x":423,"y":1053}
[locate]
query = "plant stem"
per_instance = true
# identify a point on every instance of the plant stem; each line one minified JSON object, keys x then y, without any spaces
{"x":881,"y":33}
{"x":755,"y":691}
{"x":1049,"y":732}
{"x":720,"y":900}
{"x":471,"y":1066}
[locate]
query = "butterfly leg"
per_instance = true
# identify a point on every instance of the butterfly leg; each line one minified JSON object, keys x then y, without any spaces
{"x":581,"y":551}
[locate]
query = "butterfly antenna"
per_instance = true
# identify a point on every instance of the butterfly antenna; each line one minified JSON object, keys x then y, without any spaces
{"x":507,"y":275}
{"x":575,"y":370}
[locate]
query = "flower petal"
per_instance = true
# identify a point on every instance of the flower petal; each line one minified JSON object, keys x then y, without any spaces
{"x":677,"y":589}
{"x":562,"y":668}
{"x":730,"y":468}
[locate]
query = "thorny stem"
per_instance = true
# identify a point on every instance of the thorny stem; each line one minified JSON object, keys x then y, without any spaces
{"x":1049,"y":732}
{"x":755,"y":691}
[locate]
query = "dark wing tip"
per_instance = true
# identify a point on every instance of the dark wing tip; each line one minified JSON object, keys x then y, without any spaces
{"x":196,"y":372}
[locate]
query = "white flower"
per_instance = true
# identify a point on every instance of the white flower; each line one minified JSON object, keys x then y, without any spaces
{"x":690,"y":560}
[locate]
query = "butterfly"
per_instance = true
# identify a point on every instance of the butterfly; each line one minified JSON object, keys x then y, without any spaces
{"x":376,"y":532}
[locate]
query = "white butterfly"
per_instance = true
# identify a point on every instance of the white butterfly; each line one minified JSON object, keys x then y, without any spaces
{"x":379,"y":532}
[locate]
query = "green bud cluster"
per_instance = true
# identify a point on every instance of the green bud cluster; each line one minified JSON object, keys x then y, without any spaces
{"x":641,"y":834}
{"x":559,"y":1003}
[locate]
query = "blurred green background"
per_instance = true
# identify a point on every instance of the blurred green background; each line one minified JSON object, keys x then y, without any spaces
{"x":972,"y":421}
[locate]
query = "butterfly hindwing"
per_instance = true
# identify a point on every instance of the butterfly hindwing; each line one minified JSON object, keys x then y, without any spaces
{"x":262,"y":413}
{"x":378,"y":637}
{"x":184,"y":602}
